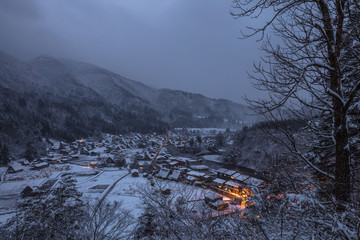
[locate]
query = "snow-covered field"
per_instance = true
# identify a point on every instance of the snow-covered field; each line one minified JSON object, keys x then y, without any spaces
{"x":203,"y":131}
{"x":93,"y":183}
{"x":97,"y":183}
{"x":214,"y":158}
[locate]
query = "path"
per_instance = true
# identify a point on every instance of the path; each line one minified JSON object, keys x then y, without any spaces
{"x":108,"y":191}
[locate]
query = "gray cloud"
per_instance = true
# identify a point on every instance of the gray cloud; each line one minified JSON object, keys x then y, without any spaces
{"x":20,"y":8}
{"x":179,"y":44}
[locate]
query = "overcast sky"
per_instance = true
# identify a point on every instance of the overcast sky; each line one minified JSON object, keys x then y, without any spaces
{"x":189,"y":45}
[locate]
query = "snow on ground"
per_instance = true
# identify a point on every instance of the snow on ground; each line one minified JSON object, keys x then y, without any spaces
{"x":99,"y":149}
{"x":2,"y":170}
{"x":26,"y":175}
{"x":104,"y":178}
{"x":126,"y":191}
{"x":14,"y":183}
{"x":94,"y":183}
{"x":15,"y":187}
{"x":5,"y":217}
{"x":203,"y":131}
{"x":2,"y":173}
{"x":214,"y":158}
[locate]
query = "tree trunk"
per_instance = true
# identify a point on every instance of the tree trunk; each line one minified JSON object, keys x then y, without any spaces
{"x":342,"y":172}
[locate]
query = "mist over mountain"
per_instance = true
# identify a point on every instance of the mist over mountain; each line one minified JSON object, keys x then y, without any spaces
{"x":66,"y":99}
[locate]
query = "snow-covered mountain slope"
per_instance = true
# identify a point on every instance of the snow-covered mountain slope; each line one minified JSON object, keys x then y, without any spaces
{"x":171,"y":104}
{"x":67,"y":74}
{"x":71,"y":98}
{"x":15,"y":74}
{"x":45,"y":100}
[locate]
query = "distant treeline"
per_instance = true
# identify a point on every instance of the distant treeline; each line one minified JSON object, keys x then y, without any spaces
{"x":30,"y":117}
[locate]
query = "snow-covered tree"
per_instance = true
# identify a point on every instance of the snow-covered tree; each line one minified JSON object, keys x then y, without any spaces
{"x":315,"y":71}
{"x":58,"y":215}
{"x":107,"y":221}
{"x":30,"y":152}
{"x":173,"y":216}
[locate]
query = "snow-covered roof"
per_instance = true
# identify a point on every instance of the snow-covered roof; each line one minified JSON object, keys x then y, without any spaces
{"x":173,"y":163}
{"x":212,"y":196}
{"x":164,"y":173}
{"x":232,"y":184}
{"x":192,"y":161}
{"x":179,"y":160}
{"x":219,"y":181}
{"x":226,"y":171}
{"x":196,"y":173}
{"x":175,"y":175}
{"x":42,"y":164}
{"x":16,"y":166}
{"x":199,"y":167}
{"x":240,"y":177}
{"x":191,"y":178}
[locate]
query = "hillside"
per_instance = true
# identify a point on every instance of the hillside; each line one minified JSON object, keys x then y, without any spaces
{"x":65,"y":99}
{"x":178,"y":108}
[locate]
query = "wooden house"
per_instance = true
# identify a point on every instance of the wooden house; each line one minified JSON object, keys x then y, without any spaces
{"x":110,"y":160}
{"x":83,"y":151}
{"x":232,"y":187}
{"x":175,"y":175}
{"x":218,"y":183}
{"x":239,"y":177}
{"x":15,"y":167}
{"x":225,"y":173}
{"x":201,"y":168}
{"x":218,"y":205}
{"x":92,"y":164}
{"x":39,"y":166}
{"x":63,"y":152}
{"x":93,"y":154}
{"x":212,"y":197}
{"x":190,"y":162}
{"x":135,"y":173}
{"x":198,"y":175}
{"x":164,"y":173}
{"x":24,"y":162}
{"x":27,"y":192}
{"x":173,"y":164}
{"x":191,"y":179}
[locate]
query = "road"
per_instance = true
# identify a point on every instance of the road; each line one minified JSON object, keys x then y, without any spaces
{"x":108,"y":191}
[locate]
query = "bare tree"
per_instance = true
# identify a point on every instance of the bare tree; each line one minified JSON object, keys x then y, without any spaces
{"x":315,"y":72}
{"x":180,"y":214}
{"x":108,"y":221}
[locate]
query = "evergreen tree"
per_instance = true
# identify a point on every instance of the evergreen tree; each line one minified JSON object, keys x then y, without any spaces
{"x":1,"y":158}
{"x":4,"y":155}
{"x":30,"y":152}
{"x":199,"y":139}
{"x":220,"y":140}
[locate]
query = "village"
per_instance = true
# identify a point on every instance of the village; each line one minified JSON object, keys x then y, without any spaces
{"x":115,"y":166}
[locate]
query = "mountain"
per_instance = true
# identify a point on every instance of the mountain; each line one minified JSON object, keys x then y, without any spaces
{"x":171,"y":104}
{"x":66,"y":99}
